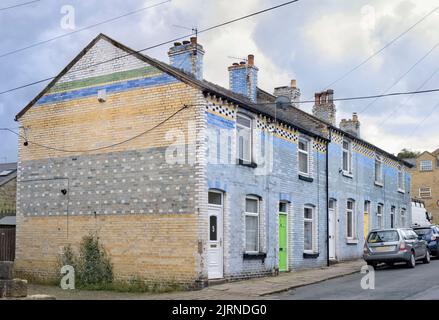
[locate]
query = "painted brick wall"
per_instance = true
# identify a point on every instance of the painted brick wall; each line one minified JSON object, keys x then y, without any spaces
{"x":145,"y":210}
{"x":279,"y":182}
{"x":360,"y":188}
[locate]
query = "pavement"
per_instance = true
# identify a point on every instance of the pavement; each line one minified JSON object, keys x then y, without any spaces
{"x":390,"y":283}
{"x":258,"y":288}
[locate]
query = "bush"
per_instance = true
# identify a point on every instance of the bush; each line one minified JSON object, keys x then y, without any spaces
{"x":93,"y":267}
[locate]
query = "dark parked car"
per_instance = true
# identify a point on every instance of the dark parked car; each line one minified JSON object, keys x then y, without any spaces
{"x":395,"y":245}
{"x":431,"y":235}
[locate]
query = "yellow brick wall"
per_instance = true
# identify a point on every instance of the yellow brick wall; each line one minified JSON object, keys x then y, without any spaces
{"x":427,"y":179}
{"x":159,"y":248}
{"x":155,"y":247}
{"x":85,"y":124}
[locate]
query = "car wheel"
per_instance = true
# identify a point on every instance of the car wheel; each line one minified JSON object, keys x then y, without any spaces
{"x":412,"y":261}
{"x":427,"y":257}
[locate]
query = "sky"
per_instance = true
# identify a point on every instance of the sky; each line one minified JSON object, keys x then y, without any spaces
{"x":313,"y":41}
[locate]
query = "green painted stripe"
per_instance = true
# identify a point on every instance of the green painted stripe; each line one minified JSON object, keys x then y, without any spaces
{"x":117,"y":76}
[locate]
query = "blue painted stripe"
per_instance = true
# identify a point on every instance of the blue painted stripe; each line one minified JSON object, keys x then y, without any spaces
{"x":219,"y":121}
{"x":110,"y":88}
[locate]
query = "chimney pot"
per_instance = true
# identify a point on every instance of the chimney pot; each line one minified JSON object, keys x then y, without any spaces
{"x":176,"y":44}
{"x":242,"y":63}
{"x":186,"y":42}
{"x":355,"y":117}
{"x":235,"y":64}
{"x":251,"y":60}
{"x":194,"y":41}
{"x":293,"y":83}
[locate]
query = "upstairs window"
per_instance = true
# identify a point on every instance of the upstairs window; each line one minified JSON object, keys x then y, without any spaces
{"x":401,"y":182}
{"x":304,"y":156}
{"x":378,"y":169}
{"x":244,"y":138}
{"x":425,"y":192}
{"x":251,"y":224}
{"x":347,"y":157}
{"x":425,"y":165}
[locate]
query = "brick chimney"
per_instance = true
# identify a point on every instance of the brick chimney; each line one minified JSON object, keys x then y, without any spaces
{"x":243,"y":78}
{"x":188,"y":56}
{"x":351,"y":126}
{"x":324,"y":107}
{"x":291,"y":92}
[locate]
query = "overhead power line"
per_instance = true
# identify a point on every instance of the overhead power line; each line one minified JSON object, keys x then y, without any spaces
{"x":381,"y":49}
{"x":18,"y":5}
{"x":30,"y":142}
{"x":371,"y":96}
{"x":398,"y":106}
{"x":82,"y":29}
{"x":402,"y":76}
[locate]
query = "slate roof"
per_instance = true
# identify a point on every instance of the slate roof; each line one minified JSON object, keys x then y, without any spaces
{"x":12,"y":167}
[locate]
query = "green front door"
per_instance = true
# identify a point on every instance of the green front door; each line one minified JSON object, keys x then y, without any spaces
{"x":282,"y":242}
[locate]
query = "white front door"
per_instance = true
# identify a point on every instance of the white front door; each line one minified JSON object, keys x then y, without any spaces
{"x":215,"y":236}
{"x":331,"y":231}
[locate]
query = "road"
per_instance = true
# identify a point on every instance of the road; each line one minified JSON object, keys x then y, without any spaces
{"x":393,"y":283}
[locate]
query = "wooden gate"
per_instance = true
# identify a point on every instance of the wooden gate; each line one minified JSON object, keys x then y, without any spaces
{"x":7,"y":243}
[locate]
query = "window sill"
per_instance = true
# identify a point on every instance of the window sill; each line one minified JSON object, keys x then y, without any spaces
{"x":347,"y":174}
{"x":351,"y":241}
{"x":254,"y":256}
{"x":247,"y":164}
{"x":379,"y":184}
{"x":305,"y":178}
{"x":309,"y":255}
{"x":401,"y":191}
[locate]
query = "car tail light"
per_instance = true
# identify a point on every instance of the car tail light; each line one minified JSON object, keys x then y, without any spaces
{"x":402,"y":246}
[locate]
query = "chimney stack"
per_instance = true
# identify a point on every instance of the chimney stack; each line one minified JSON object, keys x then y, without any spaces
{"x":351,"y":126}
{"x":324,"y":107}
{"x":292,"y":93}
{"x":243,"y":78}
{"x":188,"y":56}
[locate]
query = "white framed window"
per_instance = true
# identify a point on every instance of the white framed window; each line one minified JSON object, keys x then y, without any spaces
{"x":367,"y":207}
{"x":252,"y":224}
{"x":303,"y":156}
{"x":401,"y":182}
{"x":378,"y":170}
{"x":392,"y":217}
{"x":403,"y":217}
{"x":425,"y":192}
{"x":350,"y":220}
{"x":425,"y":165}
{"x":347,"y":157}
{"x":244,"y":141}
{"x":309,"y":228}
{"x":380,"y":210}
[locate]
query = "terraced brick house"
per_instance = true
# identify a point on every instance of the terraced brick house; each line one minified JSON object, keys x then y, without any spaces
{"x":425,"y":181}
{"x":186,"y":181}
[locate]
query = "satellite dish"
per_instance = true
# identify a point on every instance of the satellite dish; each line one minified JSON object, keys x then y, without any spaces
{"x":282,"y":102}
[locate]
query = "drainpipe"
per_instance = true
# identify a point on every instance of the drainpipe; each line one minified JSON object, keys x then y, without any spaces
{"x":327,"y":199}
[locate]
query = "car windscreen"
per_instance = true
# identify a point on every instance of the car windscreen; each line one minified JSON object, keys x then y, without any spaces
{"x":383,"y":236}
{"x":422,"y":232}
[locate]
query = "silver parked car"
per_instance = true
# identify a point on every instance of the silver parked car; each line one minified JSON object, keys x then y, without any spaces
{"x":395,"y":245}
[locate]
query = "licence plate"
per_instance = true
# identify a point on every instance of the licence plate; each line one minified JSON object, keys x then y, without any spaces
{"x":384,"y":249}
